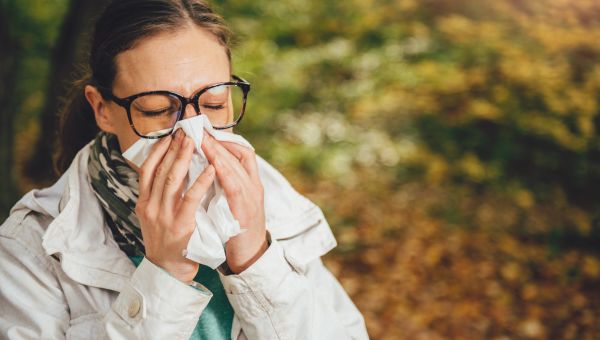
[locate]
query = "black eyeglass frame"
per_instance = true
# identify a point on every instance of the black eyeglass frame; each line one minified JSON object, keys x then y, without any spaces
{"x":126,"y":103}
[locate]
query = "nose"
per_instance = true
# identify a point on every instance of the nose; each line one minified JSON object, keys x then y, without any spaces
{"x":189,"y":111}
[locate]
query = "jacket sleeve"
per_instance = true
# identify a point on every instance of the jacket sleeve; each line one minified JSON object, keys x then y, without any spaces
{"x":153,"y":304}
{"x":32,"y":305}
{"x":275,"y":300}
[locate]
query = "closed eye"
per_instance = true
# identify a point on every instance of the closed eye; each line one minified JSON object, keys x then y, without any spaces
{"x":214,"y":107}
{"x":156,"y":112}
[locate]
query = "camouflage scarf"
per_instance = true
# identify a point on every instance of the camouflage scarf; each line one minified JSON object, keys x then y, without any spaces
{"x":116,"y":186}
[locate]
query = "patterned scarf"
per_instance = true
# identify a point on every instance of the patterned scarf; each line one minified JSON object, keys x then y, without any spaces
{"x":116,"y":186}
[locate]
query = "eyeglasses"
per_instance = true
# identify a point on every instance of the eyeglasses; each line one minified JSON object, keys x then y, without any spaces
{"x":153,"y":114}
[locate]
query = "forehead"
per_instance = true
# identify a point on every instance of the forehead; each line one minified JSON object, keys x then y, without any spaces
{"x":181,"y":61}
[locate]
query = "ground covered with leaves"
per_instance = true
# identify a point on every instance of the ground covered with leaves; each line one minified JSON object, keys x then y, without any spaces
{"x":415,"y":274}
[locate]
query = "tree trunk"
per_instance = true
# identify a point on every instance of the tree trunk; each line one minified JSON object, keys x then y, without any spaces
{"x":69,"y":54}
{"x":8,"y":47}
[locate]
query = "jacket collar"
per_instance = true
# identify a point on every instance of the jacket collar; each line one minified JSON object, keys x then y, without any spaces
{"x":78,"y":234}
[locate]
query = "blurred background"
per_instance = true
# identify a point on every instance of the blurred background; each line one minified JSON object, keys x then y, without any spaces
{"x":452,"y":144}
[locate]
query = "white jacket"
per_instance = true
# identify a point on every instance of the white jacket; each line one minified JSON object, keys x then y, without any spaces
{"x":62,"y":274}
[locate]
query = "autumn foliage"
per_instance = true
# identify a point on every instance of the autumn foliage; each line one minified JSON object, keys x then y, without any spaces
{"x":454,"y":147}
{"x":452,"y":144}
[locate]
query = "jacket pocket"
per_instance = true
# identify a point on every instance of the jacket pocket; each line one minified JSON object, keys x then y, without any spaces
{"x":305,"y":238}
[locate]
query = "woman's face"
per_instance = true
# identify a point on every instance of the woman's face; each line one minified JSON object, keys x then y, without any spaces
{"x":183,"y":62}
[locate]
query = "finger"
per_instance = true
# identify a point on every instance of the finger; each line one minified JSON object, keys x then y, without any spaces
{"x":148,"y":168}
{"x":229,"y":171}
{"x":163,"y":170}
{"x":191,"y":199}
{"x":246,"y":156}
{"x":177,"y":173}
{"x":222,"y":159}
{"x":179,"y":196}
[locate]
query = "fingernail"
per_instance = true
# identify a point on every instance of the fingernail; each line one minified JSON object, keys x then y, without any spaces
{"x":178,"y":134}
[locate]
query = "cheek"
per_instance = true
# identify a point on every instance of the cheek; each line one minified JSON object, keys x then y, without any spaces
{"x":123,"y":130}
{"x":126,"y":138}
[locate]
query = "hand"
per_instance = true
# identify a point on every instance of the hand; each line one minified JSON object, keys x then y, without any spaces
{"x":237,"y":172}
{"x":167,"y":217}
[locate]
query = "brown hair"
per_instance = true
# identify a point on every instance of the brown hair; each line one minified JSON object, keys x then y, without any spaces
{"x":122,"y":24}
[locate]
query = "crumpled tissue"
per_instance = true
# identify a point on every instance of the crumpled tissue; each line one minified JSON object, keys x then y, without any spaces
{"x":215,"y":224}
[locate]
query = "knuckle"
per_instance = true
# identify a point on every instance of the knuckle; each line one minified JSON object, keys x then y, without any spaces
{"x":201,"y":183}
{"x":180,"y":155}
{"x":235,"y":190}
{"x":160,"y":171}
{"x":139,"y":210}
{"x":222,"y":170}
{"x":218,"y":162}
{"x":170,"y":180}
{"x":143,"y":213}
{"x":143,"y":171}
{"x":184,"y":152}
{"x":173,"y":147}
{"x":199,"y":187}
{"x":191,"y":196}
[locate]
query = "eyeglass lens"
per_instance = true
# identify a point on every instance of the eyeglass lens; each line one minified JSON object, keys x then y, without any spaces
{"x":156,"y":114}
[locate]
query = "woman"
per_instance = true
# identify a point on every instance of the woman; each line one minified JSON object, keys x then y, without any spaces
{"x":99,"y":254}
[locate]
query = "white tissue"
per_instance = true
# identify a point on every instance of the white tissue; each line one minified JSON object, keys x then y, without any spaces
{"x":215,"y":224}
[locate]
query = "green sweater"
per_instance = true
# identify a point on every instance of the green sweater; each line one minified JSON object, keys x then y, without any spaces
{"x":216,"y":319}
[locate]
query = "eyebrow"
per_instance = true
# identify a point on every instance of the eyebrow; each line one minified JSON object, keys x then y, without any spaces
{"x":230,"y":79}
